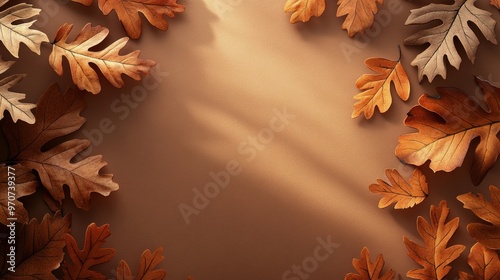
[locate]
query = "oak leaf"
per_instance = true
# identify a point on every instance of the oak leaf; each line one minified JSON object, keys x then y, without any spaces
{"x":488,"y":235}
{"x":39,"y":248}
{"x":92,"y":254}
{"x":377,"y":87}
{"x":368,"y":270}
{"x":303,"y":10}
{"x":403,"y":194}
{"x":111,"y":64}
{"x":434,"y":256}
{"x":9,"y":100}
{"x":484,"y":263}
{"x":24,"y":183}
{"x":455,"y":24}
{"x":360,"y":14}
{"x":128,"y":12}
{"x":14,"y":33}
{"x":58,"y":115}
{"x":147,"y":266}
{"x":447,"y":125}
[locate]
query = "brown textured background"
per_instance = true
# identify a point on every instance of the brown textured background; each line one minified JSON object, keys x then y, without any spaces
{"x":229,"y":64}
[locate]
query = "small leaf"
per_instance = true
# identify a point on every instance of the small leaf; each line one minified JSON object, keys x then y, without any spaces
{"x":92,"y":254}
{"x":147,"y":266}
{"x":303,"y":10}
{"x":109,"y":61}
{"x":484,"y":262}
{"x":434,"y":256}
{"x":360,"y":14}
{"x":403,"y":194}
{"x":487,"y":235}
{"x":368,"y":270}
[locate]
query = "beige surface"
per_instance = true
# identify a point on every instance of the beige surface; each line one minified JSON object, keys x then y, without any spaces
{"x":226,"y":66}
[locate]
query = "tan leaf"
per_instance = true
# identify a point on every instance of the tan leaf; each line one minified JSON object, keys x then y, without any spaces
{"x":303,"y":10}
{"x":128,"y":12}
{"x":111,"y":64}
{"x":39,"y":248}
{"x":487,"y":235}
{"x":9,"y":100}
{"x":434,"y":256}
{"x":91,"y":254}
{"x":484,"y":262}
{"x":447,"y":125}
{"x":13,"y":32}
{"x":15,"y":182}
{"x":377,"y":87}
{"x":368,"y":270}
{"x":403,"y":194}
{"x":360,"y":14}
{"x":495,"y":3}
{"x":456,"y":21}
{"x":147,"y":266}
{"x":58,"y":115}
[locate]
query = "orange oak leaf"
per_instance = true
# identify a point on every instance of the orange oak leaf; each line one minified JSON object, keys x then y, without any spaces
{"x":128,"y":12}
{"x":111,"y":64}
{"x":58,"y":115}
{"x":39,"y":248}
{"x":447,"y":125}
{"x":303,"y":10}
{"x":377,"y":87}
{"x":360,"y":14}
{"x":15,"y":182}
{"x":368,"y":270}
{"x":434,"y":256}
{"x":147,"y":266}
{"x":495,"y":3}
{"x":488,"y":235}
{"x":91,"y":254}
{"x":403,"y":194}
{"x":484,"y":263}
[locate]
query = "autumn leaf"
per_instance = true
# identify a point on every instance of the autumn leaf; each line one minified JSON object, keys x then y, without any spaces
{"x":128,"y":12}
{"x":303,"y":10}
{"x":447,"y":125}
{"x":39,"y":248}
{"x":455,"y":24}
{"x":147,"y":266}
{"x":368,"y":270}
{"x":484,"y":262}
{"x":360,"y":14}
{"x":14,"y":33}
{"x":403,"y":194}
{"x":495,"y":3}
{"x":434,"y":256}
{"x":111,"y":64}
{"x":9,"y":100}
{"x":92,"y":254}
{"x":487,"y":235}
{"x":58,"y":115}
{"x":377,"y":87}
{"x":24,"y":183}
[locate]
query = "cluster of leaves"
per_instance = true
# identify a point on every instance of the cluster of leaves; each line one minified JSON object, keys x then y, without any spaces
{"x":43,"y":158}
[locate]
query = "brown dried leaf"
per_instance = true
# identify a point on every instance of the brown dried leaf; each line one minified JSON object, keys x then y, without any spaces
{"x":360,"y":14}
{"x":147,"y":266}
{"x":484,"y":262}
{"x":434,"y":256}
{"x":368,"y":270}
{"x":303,"y":10}
{"x":39,"y":248}
{"x":447,"y":125}
{"x":25,"y":183}
{"x":487,"y":235}
{"x":58,"y":115}
{"x":403,"y":194}
{"x":128,"y":12}
{"x":377,"y":87}
{"x":455,"y":24}
{"x":111,"y":64}
{"x":91,"y":254}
